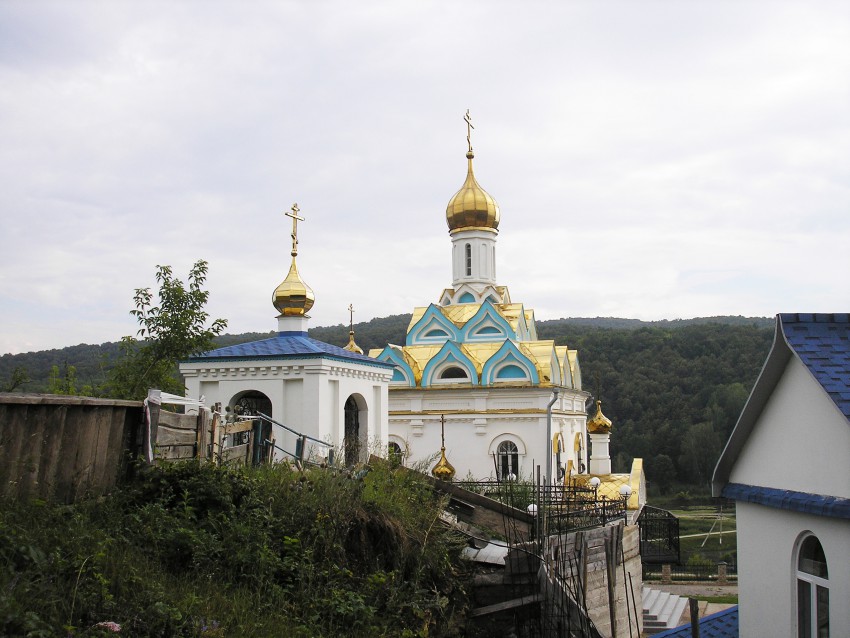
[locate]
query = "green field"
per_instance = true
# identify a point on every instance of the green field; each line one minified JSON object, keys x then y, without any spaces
{"x":707,"y":532}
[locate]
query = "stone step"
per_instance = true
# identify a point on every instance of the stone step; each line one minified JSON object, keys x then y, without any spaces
{"x":661,"y":610}
{"x":653,"y":612}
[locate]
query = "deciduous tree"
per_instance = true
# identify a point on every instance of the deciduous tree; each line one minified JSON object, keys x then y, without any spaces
{"x":172,"y":327}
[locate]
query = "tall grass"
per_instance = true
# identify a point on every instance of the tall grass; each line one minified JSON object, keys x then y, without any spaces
{"x":196,"y":550}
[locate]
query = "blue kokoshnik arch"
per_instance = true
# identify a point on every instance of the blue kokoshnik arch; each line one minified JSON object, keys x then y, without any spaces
{"x":450,"y":355}
{"x":403,"y":373}
{"x":509,"y":364}
{"x":434,"y":327}
{"x":487,"y":324}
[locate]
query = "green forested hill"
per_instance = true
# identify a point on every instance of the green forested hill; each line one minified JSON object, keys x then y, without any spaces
{"x":672,"y":388}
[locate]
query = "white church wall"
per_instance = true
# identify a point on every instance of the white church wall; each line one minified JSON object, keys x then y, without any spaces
{"x":477,"y":420}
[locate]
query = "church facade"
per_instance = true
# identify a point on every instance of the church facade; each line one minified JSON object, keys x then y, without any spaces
{"x":474,"y":359}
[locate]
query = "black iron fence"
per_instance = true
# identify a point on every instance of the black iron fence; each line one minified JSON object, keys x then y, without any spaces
{"x":716,"y":572}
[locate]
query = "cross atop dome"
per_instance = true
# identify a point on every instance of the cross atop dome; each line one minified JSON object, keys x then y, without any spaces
{"x":293,"y":297}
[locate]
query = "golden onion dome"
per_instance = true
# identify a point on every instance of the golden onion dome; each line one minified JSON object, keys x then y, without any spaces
{"x":352,"y":347}
{"x":293,"y":297}
{"x":443,"y":470}
{"x":472,"y":206}
{"x":599,"y":424}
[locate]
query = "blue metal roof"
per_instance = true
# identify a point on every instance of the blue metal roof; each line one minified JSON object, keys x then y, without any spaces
{"x":817,"y":504}
{"x":723,"y":624}
{"x":822,"y":341}
{"x":287,"y":345}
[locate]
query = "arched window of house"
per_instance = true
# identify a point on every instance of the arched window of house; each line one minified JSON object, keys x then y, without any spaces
{"x":507,"y":457}
{"x":812,"y":590}
{"x":468,"y":260}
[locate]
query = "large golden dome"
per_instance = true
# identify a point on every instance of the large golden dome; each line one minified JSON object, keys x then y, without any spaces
{"x":472,"y":206}
{"x":293,"y":297}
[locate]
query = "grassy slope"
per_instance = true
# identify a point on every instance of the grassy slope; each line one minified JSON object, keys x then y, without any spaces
{"x":190,"y":551}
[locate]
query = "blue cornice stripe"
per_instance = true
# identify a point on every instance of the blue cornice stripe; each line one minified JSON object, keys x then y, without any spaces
{"x":804,"y":502}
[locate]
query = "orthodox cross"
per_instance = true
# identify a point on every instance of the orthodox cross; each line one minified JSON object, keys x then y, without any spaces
{"x":468,"y":119}
{"x":443,"y":431}
{"x":295,"y":220}
{"x":350,"y":317}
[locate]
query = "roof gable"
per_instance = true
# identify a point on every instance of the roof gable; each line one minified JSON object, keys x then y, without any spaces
{"x":821,"y":342}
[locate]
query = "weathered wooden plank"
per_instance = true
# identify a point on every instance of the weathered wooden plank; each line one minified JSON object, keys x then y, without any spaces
{"x":30,"y":457}
{"x":52,"y":453}
{"x":65,"y":474}
{"x":178,"y":421}
{"x":101,"y":479}
{"x":86,"y":447}
{"x":12,"y":434}
{"x":203,"y":434}
{"x":59,"y":399}
{"x":241,"y":426}
{"x":167,"y":436}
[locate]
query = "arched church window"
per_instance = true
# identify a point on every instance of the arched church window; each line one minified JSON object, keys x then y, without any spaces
{"x":812,"y":590}
{"x":468,"y":260}
{"x":454,"y":372}
{"x":507,"y":459}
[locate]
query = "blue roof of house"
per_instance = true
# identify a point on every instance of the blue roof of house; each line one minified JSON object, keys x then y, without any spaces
{"x":287,"y":345}
{"x":723,"y":624}
{"x":804,"y":502}
{"x":822,"y":341}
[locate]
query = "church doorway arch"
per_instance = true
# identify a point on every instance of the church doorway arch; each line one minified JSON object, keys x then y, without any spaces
{"x":250,"y":403}
{"x":356,"y":419}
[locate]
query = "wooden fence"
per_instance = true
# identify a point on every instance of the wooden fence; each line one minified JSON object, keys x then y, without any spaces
{"x":64,"y":448}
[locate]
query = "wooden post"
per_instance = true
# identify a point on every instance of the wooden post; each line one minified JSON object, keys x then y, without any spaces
{"x":154,"y":397}
{"x":694,"y":605}
{"x":202,"y":437}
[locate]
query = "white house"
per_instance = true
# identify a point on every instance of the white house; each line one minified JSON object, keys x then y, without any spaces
{"x":787,"y":466}
{"x":335,"y":395}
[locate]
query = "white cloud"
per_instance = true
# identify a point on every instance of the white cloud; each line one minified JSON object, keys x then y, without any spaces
{"x":651,"y":159}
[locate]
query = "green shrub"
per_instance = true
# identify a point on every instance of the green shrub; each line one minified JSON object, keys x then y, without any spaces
{"x":191,"y":550}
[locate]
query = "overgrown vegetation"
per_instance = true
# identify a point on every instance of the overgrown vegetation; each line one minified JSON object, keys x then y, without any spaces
{"x":197,"y":550}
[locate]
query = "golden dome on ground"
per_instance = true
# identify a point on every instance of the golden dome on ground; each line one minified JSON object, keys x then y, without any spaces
{"x":472,"y":206}
{"x":352,"y":346}
{"x":443,"y":470}
{"x":599,"y":424}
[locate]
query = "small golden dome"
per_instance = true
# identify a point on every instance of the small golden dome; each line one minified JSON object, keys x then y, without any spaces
{"x":352,"y":347}
{"x":293,"y":297}
{"x":599,"y":424}
{"x":472,"y":206}
{"x":443,"y":470}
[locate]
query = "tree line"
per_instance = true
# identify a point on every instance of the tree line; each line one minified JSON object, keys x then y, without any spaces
{"x":673,"y":389}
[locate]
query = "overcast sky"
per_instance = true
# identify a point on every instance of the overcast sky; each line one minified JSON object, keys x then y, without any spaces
{"x":651,"y":159}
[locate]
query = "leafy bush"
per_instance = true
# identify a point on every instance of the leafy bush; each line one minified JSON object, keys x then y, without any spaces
{"x":197,"y":550}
